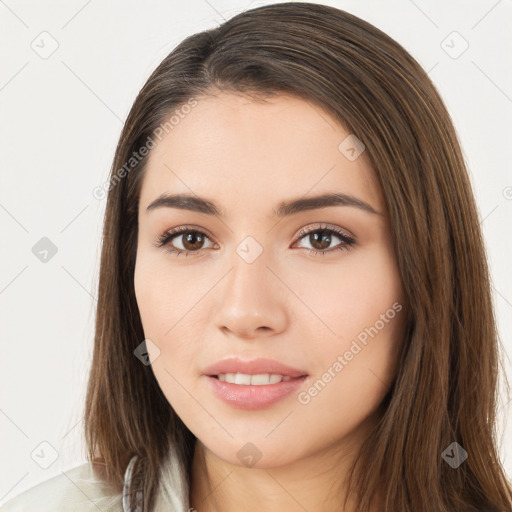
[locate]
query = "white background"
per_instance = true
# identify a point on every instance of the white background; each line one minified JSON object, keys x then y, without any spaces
{"x":60,"y":121}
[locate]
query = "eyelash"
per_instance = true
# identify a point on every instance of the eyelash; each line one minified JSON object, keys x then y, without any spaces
{"x":165,"y":239}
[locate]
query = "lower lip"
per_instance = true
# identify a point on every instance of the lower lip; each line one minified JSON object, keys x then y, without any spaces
{"x":253,"y":397}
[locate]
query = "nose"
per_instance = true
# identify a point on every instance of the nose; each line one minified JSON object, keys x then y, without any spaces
{"x":252,"y":300}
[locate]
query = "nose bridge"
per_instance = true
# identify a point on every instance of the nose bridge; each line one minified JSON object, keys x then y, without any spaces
{"x":249,"y":274}
{"x":250,"y":297}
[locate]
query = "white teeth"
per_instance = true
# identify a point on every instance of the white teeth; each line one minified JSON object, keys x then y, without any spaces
{"x":256,"y":380}
{"x":241,"y":378}
{"x":277,"y":378}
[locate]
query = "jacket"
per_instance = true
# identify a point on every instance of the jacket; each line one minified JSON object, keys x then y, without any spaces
{"x":81,"y":489}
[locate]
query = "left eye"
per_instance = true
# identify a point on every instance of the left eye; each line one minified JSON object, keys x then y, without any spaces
{"x":321,"y":237}
{"x":192,"y":240}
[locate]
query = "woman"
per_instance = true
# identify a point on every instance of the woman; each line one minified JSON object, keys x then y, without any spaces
{"x":237,"y":368}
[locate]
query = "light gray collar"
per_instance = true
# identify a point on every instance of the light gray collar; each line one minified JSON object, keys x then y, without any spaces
{"x":126,"y":488}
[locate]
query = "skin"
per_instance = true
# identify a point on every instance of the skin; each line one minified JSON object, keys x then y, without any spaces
{"x":247,"y":156}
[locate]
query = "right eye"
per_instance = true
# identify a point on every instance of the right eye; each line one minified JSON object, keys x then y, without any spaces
{"x":190,"y":239}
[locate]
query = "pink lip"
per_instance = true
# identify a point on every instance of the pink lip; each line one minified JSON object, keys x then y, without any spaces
{"x":253,"y":397}
{"x":254,"y":367}
{"x":242,"y":396}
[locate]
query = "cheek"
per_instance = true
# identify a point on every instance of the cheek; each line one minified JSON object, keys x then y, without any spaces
{"x":172,"y":312}
{"x":147,"y":293}
{"x":160,"y":293}
{"x":352,"y":296}
{"x":164,"y":321}
{"x":362,"y":305}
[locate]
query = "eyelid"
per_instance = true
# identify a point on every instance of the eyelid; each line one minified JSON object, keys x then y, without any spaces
{"x":189,"y":227}
{"x":170,"y":234}
{"x":299,"y":234}
{"x":324,"y":225}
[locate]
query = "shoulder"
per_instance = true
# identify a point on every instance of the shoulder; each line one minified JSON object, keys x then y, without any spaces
{"x":80,"y":489}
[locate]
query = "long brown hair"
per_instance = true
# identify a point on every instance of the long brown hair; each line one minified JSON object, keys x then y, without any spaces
{"x":446,"y":386}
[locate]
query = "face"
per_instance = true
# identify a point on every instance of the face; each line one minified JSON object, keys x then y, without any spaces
{"x":312,"y":286}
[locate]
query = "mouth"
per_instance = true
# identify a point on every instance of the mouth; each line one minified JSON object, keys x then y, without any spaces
{"x":253,"y":391}
{"x":261,"y":379}
{"x":254,"y":372}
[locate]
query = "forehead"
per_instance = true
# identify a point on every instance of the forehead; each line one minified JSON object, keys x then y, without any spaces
{"x":248,"y":152}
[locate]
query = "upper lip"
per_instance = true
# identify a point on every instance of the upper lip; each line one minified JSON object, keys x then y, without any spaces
{"x":253,"y":367}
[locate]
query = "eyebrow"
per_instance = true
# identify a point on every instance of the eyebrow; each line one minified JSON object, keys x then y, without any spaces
{"x":284,"y":209}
